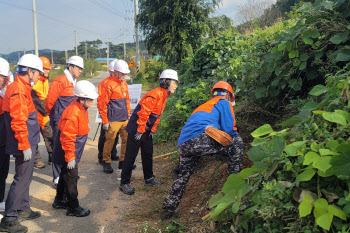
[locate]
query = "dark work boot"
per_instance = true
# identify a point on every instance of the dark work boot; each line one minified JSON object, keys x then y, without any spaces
{"x":107,"y":168}
{"x":126,"y":188}
{"x":13,"y":226}
{"x":59,"y":204}
{"x":152,"y":181}
{"x":22,"y":216}
{"x":78,"y":212}
{"x":167,"y":214}
{"x":114,"y":157}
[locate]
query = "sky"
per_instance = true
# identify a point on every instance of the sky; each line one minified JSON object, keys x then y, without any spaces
{"x":57,"y":20}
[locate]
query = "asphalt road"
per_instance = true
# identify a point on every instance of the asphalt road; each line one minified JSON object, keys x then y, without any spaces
{"x":97,"y":191}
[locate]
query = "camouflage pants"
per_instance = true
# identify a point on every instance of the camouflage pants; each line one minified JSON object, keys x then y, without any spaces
{"x":190,"y":153}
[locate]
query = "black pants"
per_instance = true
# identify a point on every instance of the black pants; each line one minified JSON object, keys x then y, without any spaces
{"x":4,"y":170}
{"x":101,"y":143}
{"x":18,"y":195}
{"x":68,"y":186}
{"x":132,"y":149}
{"x":47,"y":135}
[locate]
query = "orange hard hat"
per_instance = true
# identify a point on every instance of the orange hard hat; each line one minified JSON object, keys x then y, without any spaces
{"x":46,"y":62}
{"x":224,"y":85}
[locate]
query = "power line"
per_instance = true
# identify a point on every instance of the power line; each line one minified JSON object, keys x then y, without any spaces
{"x":101,"y":5}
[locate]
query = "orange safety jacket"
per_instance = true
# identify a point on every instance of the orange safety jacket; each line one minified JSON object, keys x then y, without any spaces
{"x":2,"y":124}
{"x":59,"y":97}
{"x":42,"y":89}
{"x":99,"y":91}
{"x":146,"y":115}
{"x":22,"y":128}
{"x":114,"y":104}
{"x":74,"y":128}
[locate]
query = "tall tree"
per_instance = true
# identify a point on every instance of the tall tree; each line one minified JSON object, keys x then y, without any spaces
{"x":175,"y":28}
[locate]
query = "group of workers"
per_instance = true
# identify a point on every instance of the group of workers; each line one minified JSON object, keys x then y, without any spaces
{"x":29,"y":106}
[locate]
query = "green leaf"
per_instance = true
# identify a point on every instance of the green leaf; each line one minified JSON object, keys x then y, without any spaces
{"x":258,"y":141}
{"x":337,"y":212}
{"x":308,"y":41}
{"x":305,"y":206}
{"x":277,"y":145}
{"x":324,"y":152}
{"x":322,"y":163}
{"x":340,"y":37}
{"x":215,"y":200}
{"x":345,"y":114}
{"x":325,"y":221}
{"x":314,"y":146}
{"x":245,"y":173}
{"x":234,"y":182}
{"x":334,"y":117}
{"x":292,"y":121}
{"x":291,"y":149}
{"x":281,"y":47}
{"x":260,"y":92}
{"x":220,"y":207}
{"x":332,"y":144}
{"x":343,"y":55}
{"x":302,"y":66}
{"x":257,"y":154}
{"x":310,"y":157}
{"x":263,"y":130}
{"x":293,"y":54}
{"x":315,"y":33}
{"x":306,"y":175}
{"x":318,"y":90}
{"x":296,"y":62}
{"x":304,"y":57}
{"x":341,"y":164}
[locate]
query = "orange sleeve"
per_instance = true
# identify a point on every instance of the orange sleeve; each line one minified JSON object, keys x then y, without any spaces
{"x":103,"y":101}
{"x":69,"y":131}
{"x":19,"y":114}
{"x":146,"y":109}
{"x":128,"y":101}
{"x":52,"y":96}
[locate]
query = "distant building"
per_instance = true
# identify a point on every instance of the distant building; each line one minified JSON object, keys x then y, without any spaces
{"x":104,"y":60}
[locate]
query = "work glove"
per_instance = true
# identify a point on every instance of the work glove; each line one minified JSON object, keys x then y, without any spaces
{"x":27,"y":154}
{"x":151,"y":134}
{"x":71,"y":164}
{"x":138,"y":136}
{"x":105,"y":126}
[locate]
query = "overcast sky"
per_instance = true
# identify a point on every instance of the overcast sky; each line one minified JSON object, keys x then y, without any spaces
{"x":57,"y":20}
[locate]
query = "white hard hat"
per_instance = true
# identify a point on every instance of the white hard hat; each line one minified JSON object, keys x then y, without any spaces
{"x":11,"y":78}
{"x":169,"y":74}
{"x":111,"y":66}
{"x":77,"y":61}
{"x":122,"y":67}
{"x":85,"y":89}
{"x":4,"y":67}
{"x":31,"y":61}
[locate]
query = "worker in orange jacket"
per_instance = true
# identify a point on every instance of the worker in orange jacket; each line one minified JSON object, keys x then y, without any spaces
{"x":102,"y":138}
{"x":114,"y":108}
{"x":22,"y":138}
{"x":4,"y":157}
{"x":59,"y":97}
{"x":141,"y":127}
{"x":39,"y":94}
{"x":74,"y":129}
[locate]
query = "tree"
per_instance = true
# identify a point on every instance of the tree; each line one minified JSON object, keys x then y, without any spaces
{"x":175,"y":28}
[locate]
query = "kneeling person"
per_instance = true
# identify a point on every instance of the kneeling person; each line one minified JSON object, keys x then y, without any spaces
{"x":194,"y":142}
{"x":74,"y":128}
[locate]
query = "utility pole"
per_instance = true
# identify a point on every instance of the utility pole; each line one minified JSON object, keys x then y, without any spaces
{"x":124,"y":45}
{"x":35,"y":31}
{"x":52,"y":57}
{"x":107,"y":54}
{"x":24,"y":51}
{"x":137,"y":34}
{"x":66,"y":56}
{"x":18,"y":55}
{"x":76,"y":47}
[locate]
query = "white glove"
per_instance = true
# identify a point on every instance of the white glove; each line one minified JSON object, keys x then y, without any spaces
{"x":138,"y":136}
{"x":71,"y":164}
{"x":27,"y":154}
{"x":105,"y":126}
{"x":151,"y":134}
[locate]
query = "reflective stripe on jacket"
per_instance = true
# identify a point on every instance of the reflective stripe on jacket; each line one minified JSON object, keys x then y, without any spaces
{"x":74,"y":127}
{"x":146,"y":115}
{"x":60,"y":95}
{"x":114,"y":104}
{"x":22,"y":128}
{"x":216,"y":112}
{"x":42,"y":89}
